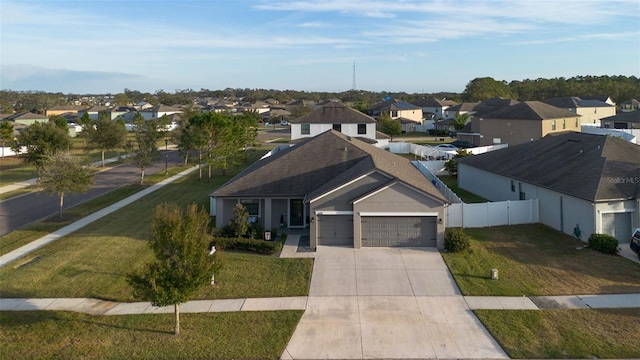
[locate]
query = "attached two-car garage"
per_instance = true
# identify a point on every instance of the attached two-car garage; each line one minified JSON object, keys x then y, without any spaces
{"x":392,"y":231}
{"x":378,"y":231}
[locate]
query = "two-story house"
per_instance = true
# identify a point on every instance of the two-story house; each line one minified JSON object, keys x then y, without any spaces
{"x":520,"y":123}
{"x":590,"y":111}
{"x":336,"y":116}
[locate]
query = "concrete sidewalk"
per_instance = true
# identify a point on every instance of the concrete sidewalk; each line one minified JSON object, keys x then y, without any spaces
{"x":104,"y":307}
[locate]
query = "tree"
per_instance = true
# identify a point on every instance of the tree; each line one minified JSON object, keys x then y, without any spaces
{"x":460,"y":120}
{"x":143,"y":151}
{"x":60,"y":122}
{"x":41,"y":140}
{"x":108,"y":135}
{"x":180,"y":241}
{"x":64,"y":173}
{"x":6,"y":134}
{"x":389,"y":126}
{"x":88,"y":129}
{"x":452,"y":165}
{"x":480,"y":89}
{"x":121,"y":99}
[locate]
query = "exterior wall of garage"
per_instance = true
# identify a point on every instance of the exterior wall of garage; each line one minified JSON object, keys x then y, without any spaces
{"x":399,"y":200}
{"x":339,"y":201}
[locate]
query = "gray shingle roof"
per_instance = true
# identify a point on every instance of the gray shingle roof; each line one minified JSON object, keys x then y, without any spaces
{"x":630,"y":116}
{"x":393,"y":105}
{"x":587,"y":166}
{"x":530,"y":110}
{"x":334,"y":113}
{"x":431,"y":102}
{"x":574,"y":102}
{"x":319,"y":164}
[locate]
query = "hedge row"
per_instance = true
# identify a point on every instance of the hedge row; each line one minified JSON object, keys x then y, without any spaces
{"x":254,"y":245}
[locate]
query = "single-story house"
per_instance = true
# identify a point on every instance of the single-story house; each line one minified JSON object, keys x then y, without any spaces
{"x":630,"y":105}
{"x":25,"y":118}
{"x":624,"y":120}
{"x":396,"y":109}
{"x":344,"y":190}
{"x":592,"y":181}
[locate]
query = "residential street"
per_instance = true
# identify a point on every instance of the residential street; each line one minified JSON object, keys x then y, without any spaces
{"x":21,"y":210}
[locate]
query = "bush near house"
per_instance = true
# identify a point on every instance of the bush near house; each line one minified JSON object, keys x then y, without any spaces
{"x":603,"y":243}
{"x":456,"y":240}
{"x":252,"y":245}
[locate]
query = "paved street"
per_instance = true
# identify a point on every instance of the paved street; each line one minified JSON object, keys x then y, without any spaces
{"x":21,"y":210}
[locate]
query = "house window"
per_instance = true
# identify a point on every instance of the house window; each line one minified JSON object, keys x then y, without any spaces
{"x":305,"y":129}
{"x":564,"y":123}
{"x":252,"y":206}
{"x":337,"y":127}
{"x":523,"y":196}
{"x":553,"y":125}
{"x":394,"y":114}
{"x":576,"y":122}
{"x":497,"y":141}
{"x":362,"y":129}
{"x":513,"y":186}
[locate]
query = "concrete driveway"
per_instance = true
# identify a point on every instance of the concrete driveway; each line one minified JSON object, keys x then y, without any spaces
{"x":387,"y":303}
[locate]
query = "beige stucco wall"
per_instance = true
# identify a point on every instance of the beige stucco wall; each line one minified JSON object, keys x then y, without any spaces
{"x":514,"y":132}
{"x":592,"y":115}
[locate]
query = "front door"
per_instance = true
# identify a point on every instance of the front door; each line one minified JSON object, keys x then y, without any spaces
{"x":296,"y":213}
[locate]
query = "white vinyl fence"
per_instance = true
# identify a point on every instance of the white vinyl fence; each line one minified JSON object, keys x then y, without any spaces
{"x":493,"y":213}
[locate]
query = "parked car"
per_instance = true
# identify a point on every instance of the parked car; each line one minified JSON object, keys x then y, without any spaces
{"x":462,"y":144}
{"x":446,"y":147}
{"x":635,"y":242}
{"x":284,"y":123}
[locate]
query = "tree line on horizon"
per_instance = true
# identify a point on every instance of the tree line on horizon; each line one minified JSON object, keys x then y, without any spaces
{"x":620,"y":88}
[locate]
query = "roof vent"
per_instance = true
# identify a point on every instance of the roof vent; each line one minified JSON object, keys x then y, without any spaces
{"x":345,"y":149}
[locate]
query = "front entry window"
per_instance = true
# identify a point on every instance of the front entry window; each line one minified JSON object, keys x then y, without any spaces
{"x":296,"y":213}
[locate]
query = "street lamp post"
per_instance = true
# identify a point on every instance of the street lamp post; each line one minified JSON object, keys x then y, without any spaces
{"x":166,"y":156}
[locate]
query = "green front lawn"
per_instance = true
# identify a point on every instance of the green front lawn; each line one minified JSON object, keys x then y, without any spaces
{"x":565,"y":334}
{"x":67,"y":335}
{"x":535,"y":260}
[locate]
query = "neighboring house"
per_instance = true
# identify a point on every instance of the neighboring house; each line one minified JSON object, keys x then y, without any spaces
{"x":122,"y":112}
{"x":516,"y":124}
{"x":159,"y":111}
{"x":591,"y":111}
{"x":396,"y":109}
{"x":94,"y":112}
{"x":142,"y":105}
{"x":589,"y":180}
{"x":624,"y":120}
{"x":630,"y":105}
{"x":334,"y":116}
{"x":605,"y":99}
{"x":63,"y":109}
{"x":345,"y":191}
{"x":463,"y":108}
{"x":444,"y":125}
{"x":26,"y":118}
{"x":433,"y":109}
{"x":491,"y":105}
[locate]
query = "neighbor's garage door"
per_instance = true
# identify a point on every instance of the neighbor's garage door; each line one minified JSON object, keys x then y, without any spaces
{"x":399,"y":231}
{"x":335,"y":230}
{"x":617,"y":225}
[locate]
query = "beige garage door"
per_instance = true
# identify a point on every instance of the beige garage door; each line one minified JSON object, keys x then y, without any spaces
{"x":399,"y":231}
{"x":335,"y":230}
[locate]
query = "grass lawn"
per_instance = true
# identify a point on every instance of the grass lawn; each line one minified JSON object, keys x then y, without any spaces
{"x":66,"y":335}
{"x":562,"y":334}
{"x":536,"y":260}
{"x":466,"y":196}
{"x":94,"y":261}
{"x":25,"y":235}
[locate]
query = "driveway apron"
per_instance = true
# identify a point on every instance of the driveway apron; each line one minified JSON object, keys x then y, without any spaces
{"x":392,"y":303}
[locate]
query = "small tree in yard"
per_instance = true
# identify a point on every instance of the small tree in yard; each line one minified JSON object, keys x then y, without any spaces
{"x":63,"y":173}
{"x":452,"y":165}
{"x":389,"y":126}
{"x":240,"y":222}
{"x":180,"y":242}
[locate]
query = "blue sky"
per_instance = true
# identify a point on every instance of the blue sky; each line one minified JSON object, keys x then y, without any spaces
{"x":97,"y":46}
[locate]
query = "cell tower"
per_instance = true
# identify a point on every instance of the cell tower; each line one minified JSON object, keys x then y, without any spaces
{"x":353,"y":86}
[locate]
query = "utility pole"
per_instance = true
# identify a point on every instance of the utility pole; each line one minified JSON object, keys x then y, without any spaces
{"x":353,"y":85}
